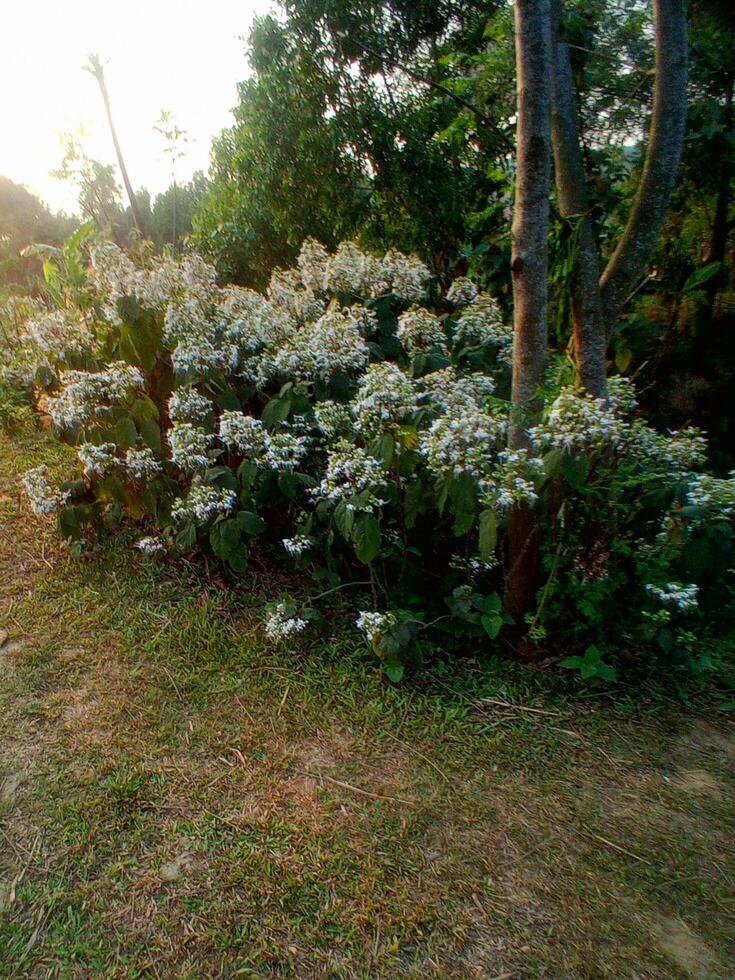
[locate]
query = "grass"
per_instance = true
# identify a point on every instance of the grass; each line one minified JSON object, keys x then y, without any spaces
{"x":180,"y":799}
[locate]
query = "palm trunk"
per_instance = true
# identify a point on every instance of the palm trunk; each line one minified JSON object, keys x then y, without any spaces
{"x":529,"y":265}
{"x":96,"y":69}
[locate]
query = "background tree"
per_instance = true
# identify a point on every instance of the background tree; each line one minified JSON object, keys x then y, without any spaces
{"x":95,"y":68}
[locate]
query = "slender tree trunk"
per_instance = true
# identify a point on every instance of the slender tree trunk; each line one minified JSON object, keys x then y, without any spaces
{"x":588,"y":334}
{"x":668,"y":123}
{"x":720,"y":226}
{"x":98,"y":72}
{"x":529,"y":265}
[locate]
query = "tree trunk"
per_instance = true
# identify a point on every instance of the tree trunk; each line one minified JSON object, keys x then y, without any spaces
{"x":720,"y":227}
{"x":98,"y":72}
{"x":588,"y":334}
{"x":668,"y":123}
{"x":529,"y":266}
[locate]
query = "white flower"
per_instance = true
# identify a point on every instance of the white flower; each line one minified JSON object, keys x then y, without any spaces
{"x":351,"y":472}
{"x":420,"y":331}
{"x":449,"y":391}
{"x":189,"y":446}
{"x":513,"y":480}
{"x":142,"y":464}
{"x":56,"y":334}
{"x":85,"y":394}
{"x":480,"y":324}
{"x":313,"y":264}
{"x":666,"y":455}
{"x":461,"y":292}
{"x":321,"y":349}
{"x":578,"y":422}
{"x":298,"y":545}
{"x":204,"y":501}
{"x":280,"y":623}
{"x":463,"y":441}
{"x":244,"y":433}
{"x":406,"y":274}
{"x":150,"y":546}
{"x":333,"y":419}
{"x":713,"y":494}
{"x":684,"y":597}
{"x":97,"y":460}
{"x":372,"y":624}
{"x":385,"y":395}
{"x":284,"y":450}
{"x":43,"y":497}
{"x":199,"y":355}
{"x":188,"y":405}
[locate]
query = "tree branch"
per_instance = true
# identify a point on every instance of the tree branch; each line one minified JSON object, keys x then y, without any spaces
{"x":437,"y":86}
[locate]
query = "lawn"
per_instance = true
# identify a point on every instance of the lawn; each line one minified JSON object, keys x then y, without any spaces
{"x":178,"y":798}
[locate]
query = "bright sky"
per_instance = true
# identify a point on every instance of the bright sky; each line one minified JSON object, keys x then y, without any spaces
{"x":182,"y":55}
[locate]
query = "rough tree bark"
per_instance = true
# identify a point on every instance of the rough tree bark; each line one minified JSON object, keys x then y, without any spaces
{"x":94,"y":67}
{"x":668,"y":124}
{"x":596,"y":304}
{"x":588,"y":333}
{"x":529,"y":265}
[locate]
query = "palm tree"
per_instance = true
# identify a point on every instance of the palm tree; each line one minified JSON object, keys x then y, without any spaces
{"x":94,"y":67}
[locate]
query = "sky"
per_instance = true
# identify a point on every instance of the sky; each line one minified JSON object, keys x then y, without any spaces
{"x":185,"y":56}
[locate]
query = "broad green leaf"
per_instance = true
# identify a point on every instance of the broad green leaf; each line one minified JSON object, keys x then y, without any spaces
{"x":366,"y":537}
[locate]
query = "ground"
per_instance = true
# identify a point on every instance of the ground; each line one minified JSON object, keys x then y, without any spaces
{"x":178,"y":799}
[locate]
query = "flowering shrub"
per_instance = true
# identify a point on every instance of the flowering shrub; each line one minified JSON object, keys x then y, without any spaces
{"x":351,"y":418}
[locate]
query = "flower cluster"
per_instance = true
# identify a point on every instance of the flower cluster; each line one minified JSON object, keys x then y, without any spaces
{"x":714,"y":496}
{"x":420,"y":331}
{"x":297,"y":546}
{"x":462,"y":292}
{"x":141,"y":464}
{"x":354,"y":476}
{"x":684,"y":597}
{"x":97,"y":460}
{"x":514,"y":479}
{"x":204,"y":502}
{"x":44,"y":498}
{"x":56,"y":335}
{"x":578,"y":422}
{"x":189,"y":446}
{"x":463,"y":441}
{"x":188,"y":405}
{"x":385,"y":396}
{"x":280,"y":622}
{"x":372,"y":624}
{"x":244,"y":433}
{"x":480,"y":324}
{"x":447,"y":390}
{"x":86,"y":393}
{"x":150,"y":546}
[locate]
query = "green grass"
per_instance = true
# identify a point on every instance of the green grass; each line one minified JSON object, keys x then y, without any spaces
{"x":180,"y":799}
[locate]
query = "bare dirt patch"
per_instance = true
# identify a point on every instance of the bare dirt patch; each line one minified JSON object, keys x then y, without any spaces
{"x":686,"y":949}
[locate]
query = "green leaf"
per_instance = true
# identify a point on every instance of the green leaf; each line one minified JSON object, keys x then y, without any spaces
{"x":150,"y":433}
{"x":488,"y":533}
{"x":126,"y":435}
{"x":251,"y":523}
{"x":701,"y":276}
{"x":366,"y":537}
{"x":394,"y":670}
{"x":492,"y":624}
{"x":575,"y":468}
{"x":276,"y":411}
{"x":238,"y":561}
{"x":225,"y":538}
{"x":186,"y":538}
